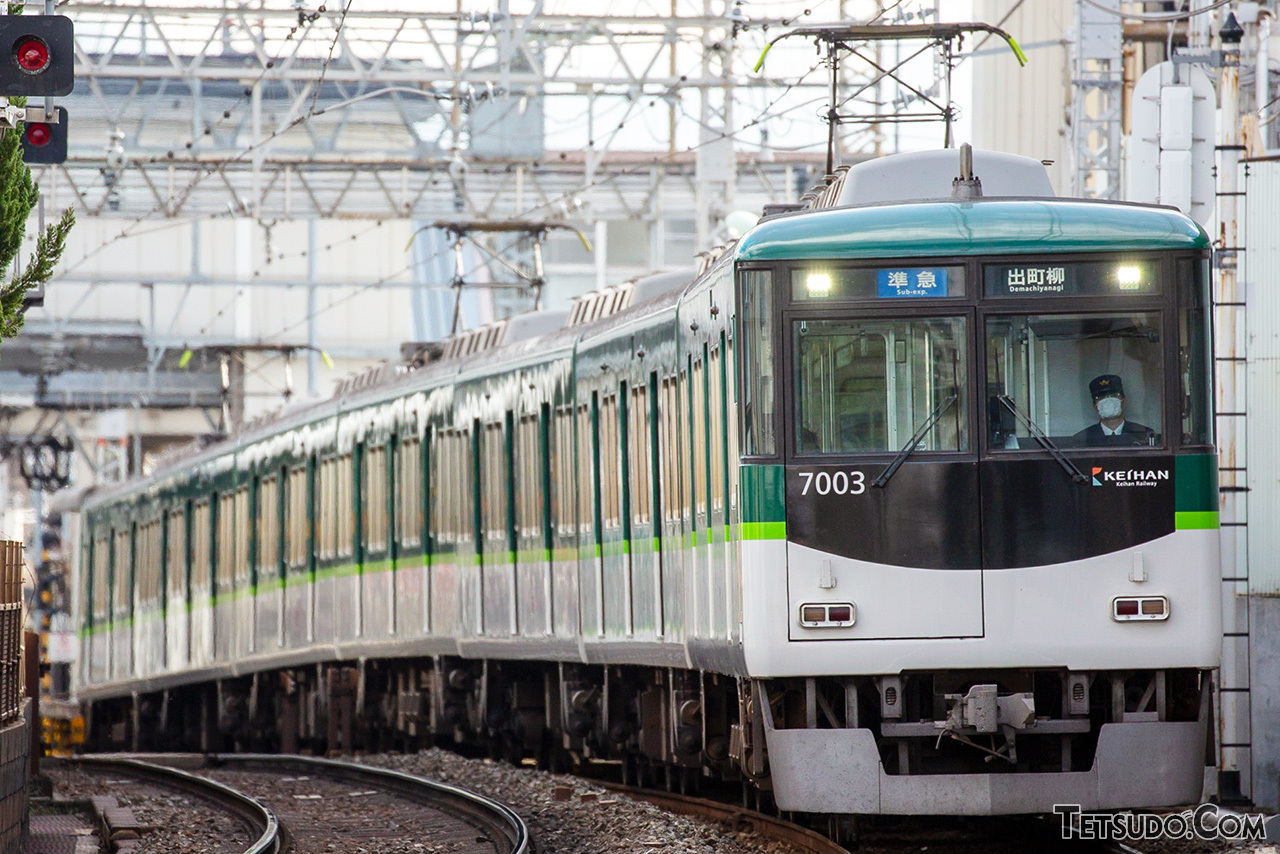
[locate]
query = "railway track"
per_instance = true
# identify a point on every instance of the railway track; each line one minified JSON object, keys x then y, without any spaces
{"x":319,"y":801}
{"x":301,"y":805}
{"x":260,"y":821}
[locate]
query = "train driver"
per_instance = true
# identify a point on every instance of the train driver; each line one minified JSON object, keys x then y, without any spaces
{"x":1112,"y":428}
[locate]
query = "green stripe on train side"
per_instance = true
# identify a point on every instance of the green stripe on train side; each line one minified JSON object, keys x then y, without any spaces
{"x":762,"y":493}
{"x":1195,"y":520}
{"x":764,"y":530}
{"x":1195,"y":483}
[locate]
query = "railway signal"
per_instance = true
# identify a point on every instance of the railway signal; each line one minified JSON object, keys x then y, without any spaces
{"x":41,"y":60}
{"x":45,"y":142}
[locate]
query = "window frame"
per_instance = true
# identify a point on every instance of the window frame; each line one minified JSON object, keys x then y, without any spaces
{"x":949,"y":310}
{"x":1038,"y":309}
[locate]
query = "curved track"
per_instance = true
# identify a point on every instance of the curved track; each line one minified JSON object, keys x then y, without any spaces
{"x":253,"y":813}
{"x":501,"y":827}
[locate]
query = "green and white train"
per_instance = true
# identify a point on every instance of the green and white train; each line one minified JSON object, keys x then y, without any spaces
{"x":828,"y":517}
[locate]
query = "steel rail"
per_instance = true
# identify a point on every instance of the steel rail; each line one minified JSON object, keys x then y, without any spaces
{"x":738,"y":818}
{"x":503,"y":826}
{"x":253,"y":812}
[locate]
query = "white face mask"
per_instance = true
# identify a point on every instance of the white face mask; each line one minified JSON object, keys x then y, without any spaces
{"x":1109,"y":407}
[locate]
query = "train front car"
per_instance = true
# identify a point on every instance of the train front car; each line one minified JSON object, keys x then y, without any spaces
{"x":980,"y":558}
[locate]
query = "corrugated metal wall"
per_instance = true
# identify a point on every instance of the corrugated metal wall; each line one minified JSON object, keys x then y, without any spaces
{"x":1023,"y":110}
{"x":1262,"y":293}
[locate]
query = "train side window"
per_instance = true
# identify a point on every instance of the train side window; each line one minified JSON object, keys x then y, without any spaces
{"x":374,"y":498}
{"x":1084,"y":380}
{"x":225,"y":569}
{"x":733,"y":439}
{"x":698,"y":403}
{"x":686,"y":434}
{"x":867,"y":385}
{"x":758,"y":330}
{"x":494,"y":478}
{"x":442,"y":476}
{"x":715,"y":418}
{"x":610,"y":503}
{"x":101,"y":573}
{"x":148,"y":592}
{"x":297,"y":520}
{"x":200,"y":543}
{"x":268,"y":528}
{"x":408,"y":492}
{"x":242,"y":537}
{"x":586,"y":472}
{"x":670,"y":451}
{"x":123,"y":566}
{"x":468,"y":462}
{"x":329,"y":520}
{"x":529,"y":464}
{"x":639,"y":457}
{"x":176,"y":556}
{"x":1194,"y":352}
{"x":344,"y":472}
{"x":564,"y":512}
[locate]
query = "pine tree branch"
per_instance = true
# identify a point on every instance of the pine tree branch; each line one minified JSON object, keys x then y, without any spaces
{"x":49,"y":248}
{"x":18,"y":193}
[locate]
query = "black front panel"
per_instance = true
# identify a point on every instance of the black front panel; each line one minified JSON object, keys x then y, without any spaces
{"x":926,"y":516}
{"x":1034,"y":514}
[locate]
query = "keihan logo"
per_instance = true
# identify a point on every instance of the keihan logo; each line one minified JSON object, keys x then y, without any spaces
{"x":1129,"y":477}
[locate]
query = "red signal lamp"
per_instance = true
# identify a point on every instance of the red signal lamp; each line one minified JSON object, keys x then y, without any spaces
{"x":41,"y":56}
{"x":31,"y":54}
{"x":39,"y":134}
{"x":45,"y":142}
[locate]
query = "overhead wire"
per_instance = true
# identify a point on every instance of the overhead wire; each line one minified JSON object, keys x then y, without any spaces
{"x":212,"y":169}
{"x":1158,"y":17}
{"x":337,"y":35}
{"x":606,"y":180}
{"x":310,"y":18}
{"x":762,"y":116}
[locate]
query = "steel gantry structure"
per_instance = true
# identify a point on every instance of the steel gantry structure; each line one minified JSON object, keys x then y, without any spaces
{"x":219,"y":154}
{"x":284,"y":111}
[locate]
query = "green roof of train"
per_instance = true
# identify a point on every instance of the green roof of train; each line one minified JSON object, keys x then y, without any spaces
{"x":987,"y":227}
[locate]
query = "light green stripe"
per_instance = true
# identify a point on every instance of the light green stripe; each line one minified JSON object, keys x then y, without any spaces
{"x":1193,"y":520}
{"x":231,"y":595}
{"x":764,"y":530}
{"x":617,"y":547}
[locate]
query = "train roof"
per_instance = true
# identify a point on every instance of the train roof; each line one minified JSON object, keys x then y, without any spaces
{"x":982,"y":226}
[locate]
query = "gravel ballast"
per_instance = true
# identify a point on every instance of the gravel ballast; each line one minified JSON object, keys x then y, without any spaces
{"x":592,"y":820}
{"x":176,"y":821}
{"x":325,"y":815}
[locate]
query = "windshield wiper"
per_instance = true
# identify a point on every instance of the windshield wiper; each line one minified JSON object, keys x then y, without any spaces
{"x":913,"y":441}
{"x":1045,"y":442}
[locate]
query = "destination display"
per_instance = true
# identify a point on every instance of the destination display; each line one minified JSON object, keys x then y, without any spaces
{"x":1091,"y":278}
{"x":828,"y":284}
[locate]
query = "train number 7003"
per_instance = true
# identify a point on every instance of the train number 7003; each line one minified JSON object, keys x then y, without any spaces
{"x":833,"y":483}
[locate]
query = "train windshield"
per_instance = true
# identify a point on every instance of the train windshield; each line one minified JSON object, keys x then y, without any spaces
{"x":869,"y":385}
{"x":1083,"y":380}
